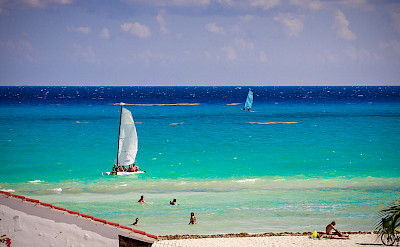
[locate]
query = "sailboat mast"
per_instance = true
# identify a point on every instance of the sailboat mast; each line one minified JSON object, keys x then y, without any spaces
{"x":119,"y":131}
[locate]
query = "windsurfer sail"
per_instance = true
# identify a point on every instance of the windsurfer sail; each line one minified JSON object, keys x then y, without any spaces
{"x":249,"y":101}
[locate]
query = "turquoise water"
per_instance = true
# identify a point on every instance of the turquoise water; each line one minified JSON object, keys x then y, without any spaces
{"x":318,"y":162}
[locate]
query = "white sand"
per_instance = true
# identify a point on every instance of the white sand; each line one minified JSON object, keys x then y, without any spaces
{"x":281,"y":241}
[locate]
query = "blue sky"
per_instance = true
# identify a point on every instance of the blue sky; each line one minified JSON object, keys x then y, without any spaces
{"x":199,"y":42}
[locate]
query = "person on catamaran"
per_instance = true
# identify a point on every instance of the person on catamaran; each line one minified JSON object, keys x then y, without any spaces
{"x":120,"y":169}
{"x":115,"y":169}
{"x":333,"y":235}
{"x":131,"y":169}
{"x":135,"y":168}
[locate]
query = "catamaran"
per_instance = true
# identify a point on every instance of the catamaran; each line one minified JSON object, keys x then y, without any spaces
{"x":127,"y":143}
{"x":249,"y":101}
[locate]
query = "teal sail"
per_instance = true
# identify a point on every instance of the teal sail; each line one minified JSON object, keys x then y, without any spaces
{"x":249,"y":100}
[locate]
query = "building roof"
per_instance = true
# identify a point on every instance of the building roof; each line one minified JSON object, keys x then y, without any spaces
{"x":46,"y":210}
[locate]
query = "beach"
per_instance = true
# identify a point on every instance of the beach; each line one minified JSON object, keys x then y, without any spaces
{"x":276,"y":241}
{"x":25,"y":229}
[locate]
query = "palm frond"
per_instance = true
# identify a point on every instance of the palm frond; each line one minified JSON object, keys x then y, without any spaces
{"x":388,"y":219}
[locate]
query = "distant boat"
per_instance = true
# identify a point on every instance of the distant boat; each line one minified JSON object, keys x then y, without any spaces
{"x":249,"y":101}
{"x":127,"y":143}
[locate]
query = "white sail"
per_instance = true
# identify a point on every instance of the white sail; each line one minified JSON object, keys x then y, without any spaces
{"x":128,"y":140}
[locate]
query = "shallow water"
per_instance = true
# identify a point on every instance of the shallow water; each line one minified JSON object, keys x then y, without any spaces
{"x":304,"y":157}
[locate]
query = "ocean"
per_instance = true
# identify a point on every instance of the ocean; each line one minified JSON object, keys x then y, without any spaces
{"x":303,"y":157}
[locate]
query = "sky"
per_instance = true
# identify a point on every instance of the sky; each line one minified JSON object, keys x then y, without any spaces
{"x":199,"y":42}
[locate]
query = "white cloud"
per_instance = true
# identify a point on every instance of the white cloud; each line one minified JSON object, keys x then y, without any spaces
{"x":136,"y":29}
{"x":177,"y":3}
{"x":358,"y":4}
{"x":83,"y":30}
{"x":341,"y":26}
{"x":310,"y":4}
{"x":396,"y":20}
{"x":21,"y":50}
{"x":356,"y":54}
{"x":330,"y":56}
{"x":265,"y":4}
{"x":396,"y":46}
{"x":2,"y":4}
{"x":40,"y":3}
{"x":292,"y":25}
{"x":85,"y":54}
{"x":104,"y":33}
{"x":244,"y":44}
{"x":246,"y":18}
{"x":149,"y":57}
{"x":161,"y":21}
{"x":226,"y":2}
{"x":262,"y":57}
{"x":213,"y":28}
{"x":230,"y":52}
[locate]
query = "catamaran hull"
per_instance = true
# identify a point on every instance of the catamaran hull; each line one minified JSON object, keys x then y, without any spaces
{"x":123,"y":173}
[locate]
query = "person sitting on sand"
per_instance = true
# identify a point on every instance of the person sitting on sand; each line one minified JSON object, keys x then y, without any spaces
{"x":141,"y":200}
{"x":136,"y":222}
{"x":173,"y":202}
{"x":192,"y":219}
{"x":330,"y":234}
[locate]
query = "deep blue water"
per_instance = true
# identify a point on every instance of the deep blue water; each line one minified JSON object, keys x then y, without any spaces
{"x":211,"y":95}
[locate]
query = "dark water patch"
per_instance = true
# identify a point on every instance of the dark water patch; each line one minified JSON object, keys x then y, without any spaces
{"x":211,"y":95}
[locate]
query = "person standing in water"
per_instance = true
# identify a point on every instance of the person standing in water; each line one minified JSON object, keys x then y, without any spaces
{"x":136,"y":222}
{"x":141,"y":200}
{"x":192,"y":219}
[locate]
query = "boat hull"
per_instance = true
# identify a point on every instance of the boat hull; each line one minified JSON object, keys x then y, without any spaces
{"x":123,"y":173}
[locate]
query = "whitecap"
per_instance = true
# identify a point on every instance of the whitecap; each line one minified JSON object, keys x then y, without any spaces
{"x":123,"y":185}
{"x":57,"y":189}
{"x":35,"y":181}
{"x":246,"y":180}
{"x":9,"y":190}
